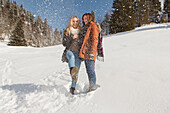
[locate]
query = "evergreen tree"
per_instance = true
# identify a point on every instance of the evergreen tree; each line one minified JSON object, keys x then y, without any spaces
{"x":45,"y":27}
{"x":155,"y":10}
{"x":99,"y":19}
{"x":114,"y":26}
{"x":163,"y":18}
{"x":2,"y":2}
{"x":1,"y":8}
{"x":58,"y":36}
{"x":0,"y":11}
{"x":141,"y":12}
{"x":15,"y":11}
{"x":123,"y":18}
{"x":31,"y":18}
{"x":11,"y":16}
{"x":147,"y":10}
{"x":36,"y":32}
{"x":8,"y":4}
{"x":167,"y":9}
{"x":21,"y":10}
{"x":105,"y":23}
{"x":130,"y":15}
{"x":17,"y":38}
{"x":39,"y":22}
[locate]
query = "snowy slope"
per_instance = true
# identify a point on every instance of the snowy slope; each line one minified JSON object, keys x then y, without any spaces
{"x":133,"y":79}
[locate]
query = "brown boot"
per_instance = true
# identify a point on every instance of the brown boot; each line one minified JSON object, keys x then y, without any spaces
{"x":72,"y":90}
{"x":91,"y":89}
{"x":74,"y":73}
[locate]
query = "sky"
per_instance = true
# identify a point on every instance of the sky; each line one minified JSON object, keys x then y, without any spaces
{"x":58,"y":12}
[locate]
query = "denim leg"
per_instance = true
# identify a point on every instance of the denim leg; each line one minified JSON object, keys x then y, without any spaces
{"x":77,"y":60}
{"x":91,"y":72}
{"x":77,"y":64}
{"x":73,"y":84}
{"x":71,"y":58}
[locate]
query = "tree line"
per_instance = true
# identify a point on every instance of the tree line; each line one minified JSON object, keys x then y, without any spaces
{"x":22,"y":29}
{"x":128,"y":14}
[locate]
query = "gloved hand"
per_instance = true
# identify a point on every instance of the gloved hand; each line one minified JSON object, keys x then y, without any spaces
{"x":91,"y":56}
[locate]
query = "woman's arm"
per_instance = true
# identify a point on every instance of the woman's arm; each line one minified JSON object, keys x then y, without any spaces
{"x":66,"y":40}
{"x":94,"y":36}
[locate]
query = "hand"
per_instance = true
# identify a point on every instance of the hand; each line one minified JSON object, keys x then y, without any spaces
{"x":91,"y":56}
{"x":75,"y":36}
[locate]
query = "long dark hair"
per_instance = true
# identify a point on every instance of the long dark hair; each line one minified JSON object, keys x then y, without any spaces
{"x":89,"y":18}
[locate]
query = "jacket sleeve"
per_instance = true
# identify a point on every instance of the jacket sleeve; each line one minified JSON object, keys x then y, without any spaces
{"x":66,"y":40}
{"x":94,"y":36}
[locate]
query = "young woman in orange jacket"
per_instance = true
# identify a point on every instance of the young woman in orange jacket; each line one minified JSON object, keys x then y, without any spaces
{"x":88,"y":51}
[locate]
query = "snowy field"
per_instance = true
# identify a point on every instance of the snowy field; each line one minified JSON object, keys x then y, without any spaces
{"x":135,"y":77}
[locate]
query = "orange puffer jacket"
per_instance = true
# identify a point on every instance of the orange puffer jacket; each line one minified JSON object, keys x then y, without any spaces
{"x":89,"y":45}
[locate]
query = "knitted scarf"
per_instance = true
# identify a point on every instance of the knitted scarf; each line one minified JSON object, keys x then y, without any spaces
{"x":74,"y":31}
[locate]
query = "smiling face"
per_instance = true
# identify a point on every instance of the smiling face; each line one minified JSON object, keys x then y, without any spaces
{"x":75,"y":23}
{"x":85,"y":20}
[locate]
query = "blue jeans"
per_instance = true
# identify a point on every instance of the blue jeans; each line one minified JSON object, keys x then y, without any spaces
{"x":90,"y":65}
{"x":73,"y":60}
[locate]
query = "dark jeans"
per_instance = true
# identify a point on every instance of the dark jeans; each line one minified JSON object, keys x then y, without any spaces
{"x":90,"y":65}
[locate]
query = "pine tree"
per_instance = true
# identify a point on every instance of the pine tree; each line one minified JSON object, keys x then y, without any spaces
{"x":21,"y":10}
{"x":15,"y":11}
{"x":2,"y":2}
{"x":31,"y":18}
{"x":17,"y":38}
{"x":167,"y":8}
{"x":147,"y":10}
{"x":105,"y":23}
{"x":155,"y":10}
{"x":45,"y":27}
{"x":36,"y":32}
{"x":39,"y":22}
{"x":123,"y":18}
{"x":8,"y":4}
{"x":163,"y":18}
{"x":0,"y":8}
{"x":58,"y":36}
{"x":130,"y":15}
{"x":141,"y":12}
{"x":11,"y":16}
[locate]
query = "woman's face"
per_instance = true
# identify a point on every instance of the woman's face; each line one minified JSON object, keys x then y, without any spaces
{"x":75,"y":23}
{"x":85,"y":20}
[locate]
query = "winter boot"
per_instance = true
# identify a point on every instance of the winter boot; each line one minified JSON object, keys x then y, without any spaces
{"x":74,"y":73}
{"x":72,"y":89}
{"x":91,"y":89}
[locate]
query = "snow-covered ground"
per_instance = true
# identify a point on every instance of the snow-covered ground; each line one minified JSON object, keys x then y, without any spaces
{"x":135,"y":77}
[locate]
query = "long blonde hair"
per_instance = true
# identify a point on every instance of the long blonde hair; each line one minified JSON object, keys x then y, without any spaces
{"x":70,"y":25}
